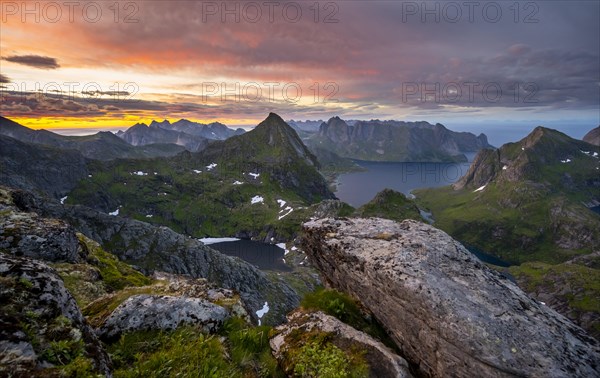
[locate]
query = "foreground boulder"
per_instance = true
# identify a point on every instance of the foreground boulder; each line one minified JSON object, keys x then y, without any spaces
{"x":42,"y":331}
{"x":162,"y":312}
{"x":447,"y":312}
{"x":382,"y":361}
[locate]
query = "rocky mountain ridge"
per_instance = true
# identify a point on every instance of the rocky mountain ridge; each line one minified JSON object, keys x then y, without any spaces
{"x":396,"y":141}
{"x":103,"y":145}
{"x":593,"y":136}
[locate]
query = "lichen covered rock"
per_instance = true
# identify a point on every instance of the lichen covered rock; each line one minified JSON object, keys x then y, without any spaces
{"x":381,"y":361}
{"x":41,"y":326}
{"x":448,"y":313}
{"x":163,"y":312}
{"x":27,"y":234}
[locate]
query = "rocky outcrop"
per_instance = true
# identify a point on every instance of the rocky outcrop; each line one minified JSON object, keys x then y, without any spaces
{"x":153,"y":248}
{"x":162,"y":312}
{"x":27,"y":234}
{"x":447,"y":312}
{"x":40,"y":324}
{"x":382,"y":361}
{"x":593,"y":136}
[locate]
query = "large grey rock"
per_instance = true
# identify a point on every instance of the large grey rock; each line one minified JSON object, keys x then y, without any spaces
{"x":446,"y":311}
{"x":37,"y":311}
{"x":382,"y":361}
{"x":162,"y":312}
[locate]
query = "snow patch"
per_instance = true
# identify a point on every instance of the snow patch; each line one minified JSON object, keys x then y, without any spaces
{"x":260,"y":313}
{"x":522,"y":148}
{"x":211,"y":166}
{"x":566,"y":161}
{"x":90,"y":176}
{"x":257,"y":199}
{"x":480,"y":188}
{"x":236,"y":182}
{"x":504,"y":168}
{"x":139,"y":173}
{"x":208,"y":241}
{"x":282,"y":246}
{"x":281,"y":202}
{"x":62,"y":200}
{"x":288,"y":209}
{"x":255,"y":175}
{"x":114,"y":213}
{"x":149,"y":216}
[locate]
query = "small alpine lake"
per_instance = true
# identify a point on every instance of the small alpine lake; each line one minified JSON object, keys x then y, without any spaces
{"x":264,"y":256}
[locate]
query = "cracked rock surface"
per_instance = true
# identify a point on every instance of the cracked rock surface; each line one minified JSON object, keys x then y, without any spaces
{"x":447,"y":312}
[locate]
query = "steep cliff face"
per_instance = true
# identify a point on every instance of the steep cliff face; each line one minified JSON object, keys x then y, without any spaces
{"x":395,"y":141}
{"x":446,"y":311}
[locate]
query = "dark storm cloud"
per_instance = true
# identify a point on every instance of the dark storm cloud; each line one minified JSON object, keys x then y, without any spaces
{"x":37,"y":61}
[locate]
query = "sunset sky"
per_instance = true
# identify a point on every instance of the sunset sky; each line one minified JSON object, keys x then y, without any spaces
{"x":94,"y":64}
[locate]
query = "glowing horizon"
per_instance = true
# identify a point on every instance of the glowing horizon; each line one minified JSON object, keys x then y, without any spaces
{"x":385,"y":60}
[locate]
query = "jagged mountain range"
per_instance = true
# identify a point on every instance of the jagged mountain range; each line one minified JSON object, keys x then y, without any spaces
{"x":395,"y":141}
{"x":193,"y":136}
{"x":103,"y":145}
{"x":264,"y":183}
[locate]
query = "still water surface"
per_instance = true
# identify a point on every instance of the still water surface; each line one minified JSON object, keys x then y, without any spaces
{"x":358,"y":188}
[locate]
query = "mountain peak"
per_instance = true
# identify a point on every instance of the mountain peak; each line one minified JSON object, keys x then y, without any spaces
{"x":593,"y":136}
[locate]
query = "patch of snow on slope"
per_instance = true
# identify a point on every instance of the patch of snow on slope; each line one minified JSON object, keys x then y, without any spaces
{"x":288,"y":209}
{"x":260,"y":313}
{"x":257,"y":199}
{"x":208,"y":241}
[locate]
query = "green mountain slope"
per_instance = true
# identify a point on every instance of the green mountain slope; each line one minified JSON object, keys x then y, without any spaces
{"x":525,"y":201}
{"x":259,"y":184}
{"x":390,"y":204}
